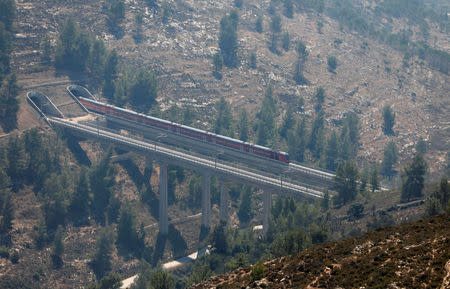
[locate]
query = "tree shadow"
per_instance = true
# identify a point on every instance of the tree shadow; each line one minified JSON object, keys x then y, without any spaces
{"x":77,"y":151}
{"x":204,"y":231}
{"x":133,"y":172}
{"x":159,"y":248}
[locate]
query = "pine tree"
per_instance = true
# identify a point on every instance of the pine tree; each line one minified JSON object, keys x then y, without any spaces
{"x":317,"y":136}
{"x":332,"y":153}
{"x":228,"y":41}
{"x":374,"y":182}
{"x":224,"y":118}
{"x":413,"y":178}
{"x":346,"y":182}
{"x":101,"y":261}
{"x":79,"y":206}
{"x":245,"y":207}
{"x":9,"y":103}
{"x":285,"y":41}
{"x":259,"y":24}
{"x":102,"y":182}
{"x":243,"y":125}
{"x":219,"y":239}
{"x":266,"y":123}
{"x":7,"y":212}
{"x":97,"y":59}
{"x":58,"y":247}
{"x":16,"y":161}
{"x":143,"y":90}
{"x":389,"y":159}
{"x":288,"y":122}
{"x":389,"y":119}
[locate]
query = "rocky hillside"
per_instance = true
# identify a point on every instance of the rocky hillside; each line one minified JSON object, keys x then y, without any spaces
{"x":415,"y":255}
{"x":369,"y":75}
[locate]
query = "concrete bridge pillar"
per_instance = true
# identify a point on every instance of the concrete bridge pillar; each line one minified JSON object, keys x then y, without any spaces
{"x":163,"y":203}
{"x":206,"y":200}
{"x":267,"y":206}
{"x":224,"y":198}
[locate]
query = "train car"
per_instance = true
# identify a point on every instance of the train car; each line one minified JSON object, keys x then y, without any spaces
{"x":183,"y":130}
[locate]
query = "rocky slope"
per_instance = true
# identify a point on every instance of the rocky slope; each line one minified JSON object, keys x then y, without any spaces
{"x":415,"y":255}
{"x":369,"y":74}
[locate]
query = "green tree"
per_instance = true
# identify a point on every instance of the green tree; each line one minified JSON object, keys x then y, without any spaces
{"x":266,"y":116}
{"x":79,"y":205}
{"x":296,"y":141}
{"x":9,"y":103}
{"x":7,"y":211}
{"x":224,"y":118}
{"x":58,"y":247}
{"x":101,"y":261}
{"x":16,"y":161}
{"x":7,"y":13}
{"x":253,"y":60}
{"x":390,"y":159}
{"x":228,"y":41}
{"x":243,"y":125}
{"x":374,"y":182}
{"x":288,"y":122}
{"x":188,"y":116}
{"x":443,"y":193}
{"x":111,"y":281}
{"x":325,"y":202}
{"x":97,"y":58}
{"x":245,"y":207}
{"x":288,"y":8}
{"x":346,"y":182}
{"x":219,"y":239}
{"x":421,"y":146}
{"x":238,"y":3}
{"x":116,"y":12}
{"x":275,"y":27}
{"x":259,"y":24}
{"x":5,"y":50}
{"x":349,"y":136}
{"x":143,"y":90}
{"x":332,"y":63}
{"x":128,"y":236}
{"x":159,"y":279}
{"x":46,"y":51}
{"x":285,"y":41}
{"x":166,"y":11}
{"x":56,"y":192}
{"x":388,"y":119}
{"x":332,"y":152}
{"x":110,"y":74}
{"x":73,"y":48}
{"x":317,"y":135}
{"x":301,"y":50}
{"x":413,"y":178}
{"x":218,"y":64}
{"x":320,"y":97}
{"x":299,"y":78}
{"x":102,"y":182}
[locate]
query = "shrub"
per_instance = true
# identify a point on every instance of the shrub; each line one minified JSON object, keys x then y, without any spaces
{"x":4,"y":252}
{"x":332,"y":63}
{"x":258,"y":272}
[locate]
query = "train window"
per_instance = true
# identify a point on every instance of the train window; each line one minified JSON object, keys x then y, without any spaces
{"x":276,"y":157}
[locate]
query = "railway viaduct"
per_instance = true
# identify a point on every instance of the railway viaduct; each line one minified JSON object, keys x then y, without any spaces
{"x":206,"y":165}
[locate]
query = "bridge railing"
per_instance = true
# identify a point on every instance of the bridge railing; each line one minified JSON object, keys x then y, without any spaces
{"x":284,"y":182}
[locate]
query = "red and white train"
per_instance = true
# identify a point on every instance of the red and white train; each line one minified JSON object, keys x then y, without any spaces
{"x":183,"y":130}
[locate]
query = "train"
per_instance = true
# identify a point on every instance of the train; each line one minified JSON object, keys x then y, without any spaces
{"x":183,"y":130}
